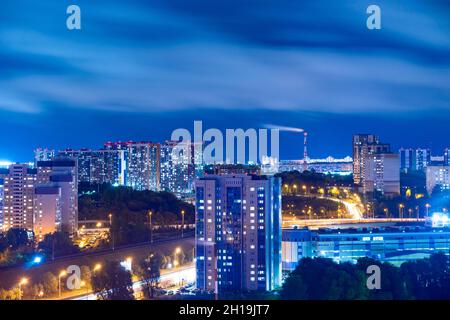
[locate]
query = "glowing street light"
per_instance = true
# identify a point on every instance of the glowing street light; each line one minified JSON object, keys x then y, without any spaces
{"x":150,"y":214}
{"x":63,"y":273}
{"x":97,"y":267}
{"x":427,"y":207}
{"x":182,"y":223}
{"x":22,"y":282}
{"x":400,"y":209}
{"x":111,"y":233}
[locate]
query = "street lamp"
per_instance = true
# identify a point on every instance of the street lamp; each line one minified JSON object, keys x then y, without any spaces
{"x":177,"y":251}
{"x":182,"y":223}
{"x":427,"y":207}
{"x":129,"y":261}
{"x":61,"y":274}
{"x":150,"y":213}
{"x":111,"y":233}
{"x":400,"y":208}
{"x":22,"y":282}
{"x":97,"y":267}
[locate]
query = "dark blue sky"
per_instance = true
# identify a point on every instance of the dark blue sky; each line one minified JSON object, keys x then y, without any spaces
{"x":140,"y":69}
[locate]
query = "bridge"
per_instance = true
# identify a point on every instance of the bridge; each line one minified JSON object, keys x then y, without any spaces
{"x":317,"y":223}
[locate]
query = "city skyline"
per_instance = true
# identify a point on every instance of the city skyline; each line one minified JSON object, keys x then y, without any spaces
{"x":138,"y":64}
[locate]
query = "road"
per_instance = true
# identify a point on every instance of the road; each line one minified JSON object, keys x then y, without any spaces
{"x":318,"y":223}
{"x":9,"y":277}
{"x":353,"y":209}
{"x":185,"y":274}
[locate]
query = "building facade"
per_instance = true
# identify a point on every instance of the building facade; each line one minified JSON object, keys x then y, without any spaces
{"x":63,"y":173}
{"x":363,"y":146}
{"x":382,"y":174}
{"x":47,"y":211}
{"x":2,"y":190}
{"x":437,"y":176}
{"x":177,"y":167}
{"x":18,"y":191}
{"x":238,"y":233}
{"x":43,"y":154}
{"x":414,"y":159}
{"x":99,"y":166}
{"x":389,"y":244}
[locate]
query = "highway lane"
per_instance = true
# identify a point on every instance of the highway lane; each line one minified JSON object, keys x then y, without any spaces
{"x":168,"y":278}
{"x":10,"y":277}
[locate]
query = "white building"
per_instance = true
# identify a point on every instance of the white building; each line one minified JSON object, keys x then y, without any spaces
{"x":47,"y":210}
{"x":437,"y":175}
{"x":18,"y":197}
{"x":382,"y":174}
{"x":62,"y":173}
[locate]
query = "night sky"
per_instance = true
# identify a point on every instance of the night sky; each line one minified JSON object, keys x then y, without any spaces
{"x":140,"y":69}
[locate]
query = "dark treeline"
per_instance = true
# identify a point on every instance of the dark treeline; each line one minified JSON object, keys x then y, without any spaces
{"x":323,"y":279}
{"x":129,"y":209}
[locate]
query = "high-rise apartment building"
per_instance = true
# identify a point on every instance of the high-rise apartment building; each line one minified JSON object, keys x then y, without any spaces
{"x":437,"y":176}
{"x":47,"y":210}
{"x":238,"y":233}
{"x":414,"y":159}
{"x":62,"y":172}
{"x":143,"y":164}
{"x":18,"y":191}
{"x":2,"y":183}
{"x":43,"y":154}
{"x":382,"y":174}
{"x":363,"y":145}
{"x":446,"y":157}
{"x":99,"y":166}
{"x":177,"y":167}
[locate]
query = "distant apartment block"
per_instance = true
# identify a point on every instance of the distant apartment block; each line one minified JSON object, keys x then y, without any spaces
{"x":437,"y":176}
{"x":414,"y":159}
{"x":62,"y":173}
{"x":238,"y":233}
{"x":43,"y":154}
{"x":18,"y":191}
{"x":364,"y":145}
{"x":2,"y":195}
{"x":99,"y":166}
{"x":178,"y":169}
{"x":47,"y":210}
{"x":382,"y":174}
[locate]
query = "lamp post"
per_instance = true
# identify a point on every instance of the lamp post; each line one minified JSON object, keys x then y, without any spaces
{"x":182,"y":223}
{"x":111,"y":233}
{"x":150,"y":213}
{"x":22,"y":282}
{"x":175,"y":261}
{"x":61,"y":274}
{"x":400,"y":208}
{"x":427,"y":207}
{"x":96,"y":268}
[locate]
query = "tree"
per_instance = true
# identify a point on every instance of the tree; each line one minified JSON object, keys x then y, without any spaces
{"x":86,"y":275}
{"x":428,"y":279}
{"x":392,"y":284}
{"x":17,"y":237}
{"x":150,"y":273}
{"x":113,"y":282}
{"x":294,"y":289}
{"x":57,"y":244}
{"x":323,"y":279}
{"x":13,"y":294}
{"x":49,"y":283}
